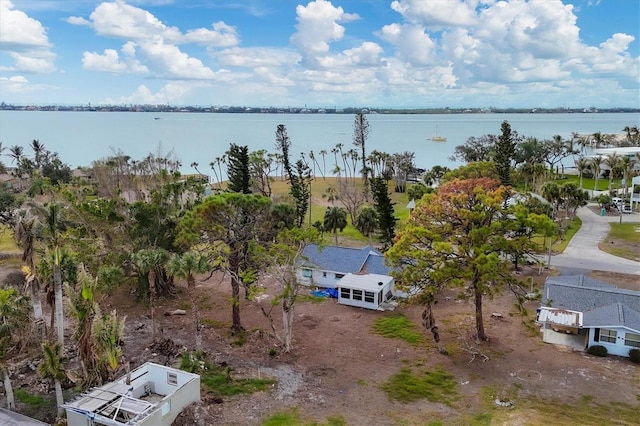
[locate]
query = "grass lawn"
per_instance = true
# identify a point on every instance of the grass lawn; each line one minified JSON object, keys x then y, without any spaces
{"x":350,"y":235}
{"x":589,"y":183}
{"x":7,"y":244}
{"x":623,"y":240}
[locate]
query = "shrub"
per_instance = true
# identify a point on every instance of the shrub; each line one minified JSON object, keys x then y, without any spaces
{"x":634,"y":355}
{"x":597,"y":350}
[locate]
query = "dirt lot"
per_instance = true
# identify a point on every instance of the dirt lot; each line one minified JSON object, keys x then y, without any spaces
{"x":338,"y":363}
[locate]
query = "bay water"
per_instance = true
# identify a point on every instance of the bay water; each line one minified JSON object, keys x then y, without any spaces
{"x":82,"y":137}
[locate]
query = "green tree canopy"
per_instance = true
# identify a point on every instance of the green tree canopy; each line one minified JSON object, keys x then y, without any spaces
{"x":227,"y":225}
{"x":457,"y":238}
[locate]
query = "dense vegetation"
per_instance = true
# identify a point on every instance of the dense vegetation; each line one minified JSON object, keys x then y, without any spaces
{"x":143,"y":224}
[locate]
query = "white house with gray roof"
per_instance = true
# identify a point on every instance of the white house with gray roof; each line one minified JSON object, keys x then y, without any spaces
{"x":324,"y":267}
{"x":580,"y":312}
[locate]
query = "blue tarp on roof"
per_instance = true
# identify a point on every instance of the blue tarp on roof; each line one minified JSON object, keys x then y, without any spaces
{"x":327,"y":292}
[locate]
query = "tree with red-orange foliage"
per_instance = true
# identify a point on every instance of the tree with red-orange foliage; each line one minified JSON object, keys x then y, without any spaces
{"x":458,"y":238}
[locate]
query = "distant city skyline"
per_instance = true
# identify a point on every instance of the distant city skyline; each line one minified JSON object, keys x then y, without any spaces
{"x":322,"y":54}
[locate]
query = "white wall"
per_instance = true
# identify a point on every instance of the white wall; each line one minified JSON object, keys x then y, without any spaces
{"x":325,"y":279}
{"x":361,"y":303}
{"x":617,"y":348}
{"x":574,"y":341}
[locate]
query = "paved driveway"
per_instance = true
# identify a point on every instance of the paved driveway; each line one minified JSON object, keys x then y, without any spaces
{"x":583,"y":252}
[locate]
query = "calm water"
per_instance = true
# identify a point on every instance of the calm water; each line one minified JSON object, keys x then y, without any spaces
{"x":81,"y":137}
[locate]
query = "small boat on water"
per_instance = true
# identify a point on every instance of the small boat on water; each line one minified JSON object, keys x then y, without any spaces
{"x":438,"y":138}
{"x":156,"y":118}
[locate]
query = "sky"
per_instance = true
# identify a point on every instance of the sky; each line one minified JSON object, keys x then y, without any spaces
{"x":321,"y":53}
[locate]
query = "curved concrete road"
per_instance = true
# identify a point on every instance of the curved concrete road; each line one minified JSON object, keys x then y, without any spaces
{"x":582,"y":252}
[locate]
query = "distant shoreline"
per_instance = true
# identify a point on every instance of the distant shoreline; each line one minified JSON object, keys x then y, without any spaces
{"x":274,"y":110}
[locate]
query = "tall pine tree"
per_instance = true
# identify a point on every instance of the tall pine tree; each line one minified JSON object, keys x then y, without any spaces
{"x":299,"y":178}
{"x":238,"y":169}
{"x":505,"y":150}
{"x":384,"y":211}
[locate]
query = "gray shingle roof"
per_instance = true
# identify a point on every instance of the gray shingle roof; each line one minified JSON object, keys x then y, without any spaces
{"x":602,"y":304}
{"x":612,"y":316}
{"x":345,"y":259}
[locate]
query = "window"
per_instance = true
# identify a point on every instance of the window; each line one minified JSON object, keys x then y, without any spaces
{"x":172,"y":379}
{"x":632,"y":339}
{"x":307,"y":273}
{"x":338,"y":276}
{"x":357,"y":294}
{"x":369,"y":297}
{"x":166,"y":408}
{"x":345,"y":293}
{"x":608,"y":335}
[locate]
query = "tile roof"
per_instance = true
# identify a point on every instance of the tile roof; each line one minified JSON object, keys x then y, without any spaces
{"x":345,"y":259}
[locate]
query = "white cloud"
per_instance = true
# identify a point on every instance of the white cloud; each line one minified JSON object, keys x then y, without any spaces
{"x":78,"y":20}
{"x":168,"y":61}
{"x":152,"y":46}
{"x":110,"y":61}
{"x":318,"y":25}
{"x":118,"y":19}
{"x":18,"y":84}
{"x":257,"y":57}
{"x":25,"y":39}
{"x":121,"y":20}
{"x":411,"y":42}
{"x":436,"y":14}
{"x":435,"y":51}
{"x":169,"y":93}
{"x":222,"y":35}
{"x":13,"y":84}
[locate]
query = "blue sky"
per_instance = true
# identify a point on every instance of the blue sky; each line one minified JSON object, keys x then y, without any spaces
{"x":368,"y":53}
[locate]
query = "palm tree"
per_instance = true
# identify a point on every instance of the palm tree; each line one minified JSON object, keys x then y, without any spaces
{"x":107,"y":331}
{"x":324,"y":163}
{"x":367,"y":222}
{"x":582,"y":164}
{"x":598,"y":138}
{"x":335,"y":218}
{"x":551,"y":193}
{"x":627,"y":130}
{"x":38,"y":152}
{"x":613,"y":162}
{"x":186,"y":266}
{"x":16,"y":153}
{"x":81,"y":305}
{"x":148,"y":261}
{"x":596,"y":166}
{"x":314,"y":160}
{"x":627,"y":163}
{"x":14,"y":318}
{"x":24,"y":236}
{"x":53,"y":219}
{"x":330,"y":194}
{"x":51,"y":367}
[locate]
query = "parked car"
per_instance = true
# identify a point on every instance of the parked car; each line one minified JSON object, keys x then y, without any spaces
{"x":626,"y":210}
